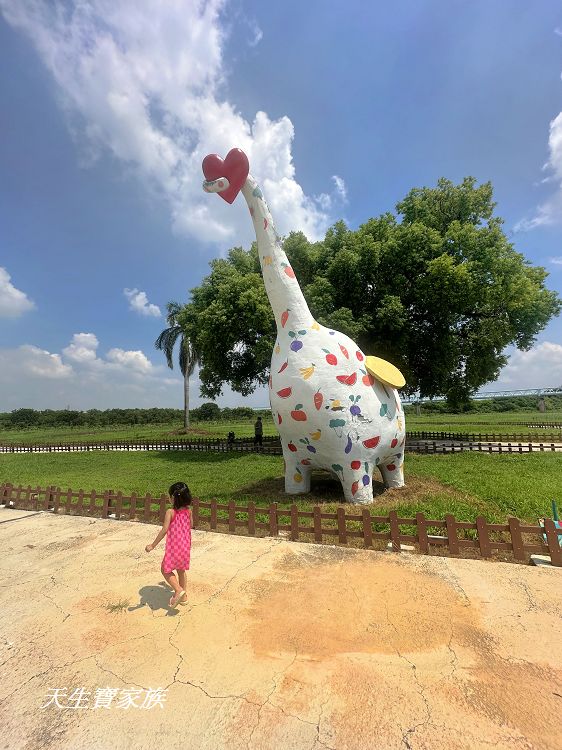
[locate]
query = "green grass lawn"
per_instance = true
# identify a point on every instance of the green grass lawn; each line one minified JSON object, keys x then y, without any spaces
{"x":480,"y":423}
{"x":466,"y":485}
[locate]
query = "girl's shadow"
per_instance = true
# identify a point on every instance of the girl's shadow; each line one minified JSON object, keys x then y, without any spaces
{"x":157,"y":597}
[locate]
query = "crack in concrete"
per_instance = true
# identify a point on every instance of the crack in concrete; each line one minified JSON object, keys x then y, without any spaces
{"x":52,"y":668}
{"x":180,"y":655}
{"x":359,"y":605}
{"x":60,"y":609}
{"x":292,"y":716}
{"x":61,"y":583}
{"x":213,"y":697}
{"x":39,"y":674}
{"x":71,"y":663}
{"x":276,"y":543}
{"x":513,"y":615}
{"x":532,"y":606}
{"x":421,"y":689}
{"x":103,"y":669}
{"x":456,"y":583}
{"x":273,"y":689}
{"x":23,"y":583}
{"x":317,"y":740}
{"x":455,"y":662}
{"x":242,"y":697}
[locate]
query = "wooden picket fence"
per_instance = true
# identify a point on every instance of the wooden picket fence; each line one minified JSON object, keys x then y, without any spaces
{"x":485,"y":437}
{"x":432,"y":447}
{"x":479,"y":538}
{"x":272,"y":447}
{"x":535,"y":425}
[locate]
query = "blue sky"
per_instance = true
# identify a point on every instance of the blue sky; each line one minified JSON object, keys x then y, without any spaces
{"x":109,"y":107}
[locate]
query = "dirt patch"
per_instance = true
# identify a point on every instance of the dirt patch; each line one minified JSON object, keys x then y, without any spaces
{"x":73,"y":542}
{"x":417,"y":487}
{"x":310,"y":556}
{"x":112,"y":628}
{"x":362,"y":684}
{"x":88,"y":603}
{"x":500,"y":690}
{"x":361,"y":606}
{"x":51,"y":731}
{"x":324,"y":488}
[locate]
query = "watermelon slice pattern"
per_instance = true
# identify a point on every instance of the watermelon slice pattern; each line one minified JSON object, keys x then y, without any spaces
{"x":357,"y":472}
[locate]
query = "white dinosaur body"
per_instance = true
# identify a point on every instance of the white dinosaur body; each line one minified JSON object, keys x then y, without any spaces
{"x":331,"y":413}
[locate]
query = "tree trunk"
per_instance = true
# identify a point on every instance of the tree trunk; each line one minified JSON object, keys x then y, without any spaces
{"x":186,"y":401}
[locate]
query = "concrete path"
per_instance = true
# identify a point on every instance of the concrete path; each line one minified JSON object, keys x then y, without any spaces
{"x":282,"y":645}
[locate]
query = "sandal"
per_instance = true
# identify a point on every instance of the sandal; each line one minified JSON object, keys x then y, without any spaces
{"x":175,"y":598}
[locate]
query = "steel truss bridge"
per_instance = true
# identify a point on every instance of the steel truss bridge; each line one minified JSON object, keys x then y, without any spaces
{"x":538,"y":392}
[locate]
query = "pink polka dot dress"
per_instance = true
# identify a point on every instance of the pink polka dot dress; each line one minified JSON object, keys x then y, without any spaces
{"x":178,"y":542}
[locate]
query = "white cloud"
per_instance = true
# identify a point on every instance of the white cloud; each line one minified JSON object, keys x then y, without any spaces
{"x":82,"y":349}
{"x":540,"y":367}
{"x":33,"y":377}
{"x":13,"y":302}
{"x":557,"y":260}
{"x":146,"y":82}
{"x":35,"y":362}
{"x":138,"y":302}
{"x":550,"y":211}
{"x":135,"y":361}
{"x":77,"y":377}
{"x":341,"y":188}
{"x":257,"y":33}
{"x":82,"y":352}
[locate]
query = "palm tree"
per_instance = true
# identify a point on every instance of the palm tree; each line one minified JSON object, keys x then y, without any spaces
{"x":188,"y":356}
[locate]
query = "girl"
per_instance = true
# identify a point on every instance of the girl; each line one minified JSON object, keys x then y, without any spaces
{"x":177,"y":530}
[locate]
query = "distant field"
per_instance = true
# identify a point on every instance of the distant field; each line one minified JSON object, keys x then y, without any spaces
{"x":498,"y":423}
{"x":131,"y":432}
{"x":465,"y":484}
{"x":485,"y":419}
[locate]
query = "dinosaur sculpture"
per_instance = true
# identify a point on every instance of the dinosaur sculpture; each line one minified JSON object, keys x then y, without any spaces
{"x":335,"y":408}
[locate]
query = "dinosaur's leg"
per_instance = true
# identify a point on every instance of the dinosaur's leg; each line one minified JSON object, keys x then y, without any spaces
{"x":354,"y":488}
{"x":297,"y":476}
{"x":392,"y":470}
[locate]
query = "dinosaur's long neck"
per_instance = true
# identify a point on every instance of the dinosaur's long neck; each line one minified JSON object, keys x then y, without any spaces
{"x":282,"y":287}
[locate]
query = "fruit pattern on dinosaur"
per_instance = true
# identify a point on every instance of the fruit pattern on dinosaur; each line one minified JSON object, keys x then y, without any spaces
{"x":330,"y":411}
{"x":321,"y":422}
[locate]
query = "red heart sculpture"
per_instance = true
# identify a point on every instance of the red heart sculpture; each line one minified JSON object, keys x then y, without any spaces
{"x":235,"y":168}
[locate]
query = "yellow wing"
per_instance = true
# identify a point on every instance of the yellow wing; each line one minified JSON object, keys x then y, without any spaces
{"x":383,"y":370}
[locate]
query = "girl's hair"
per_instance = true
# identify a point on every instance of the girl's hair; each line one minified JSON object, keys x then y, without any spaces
{"x":181,"y":495}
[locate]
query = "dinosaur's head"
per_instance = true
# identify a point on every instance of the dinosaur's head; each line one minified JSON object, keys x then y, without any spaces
{"x":226,"y":177}
{"x":216,"y":186}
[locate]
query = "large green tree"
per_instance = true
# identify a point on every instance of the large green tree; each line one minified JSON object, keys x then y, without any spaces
{"x":437,"y":289}
{"x":231,"y":322}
